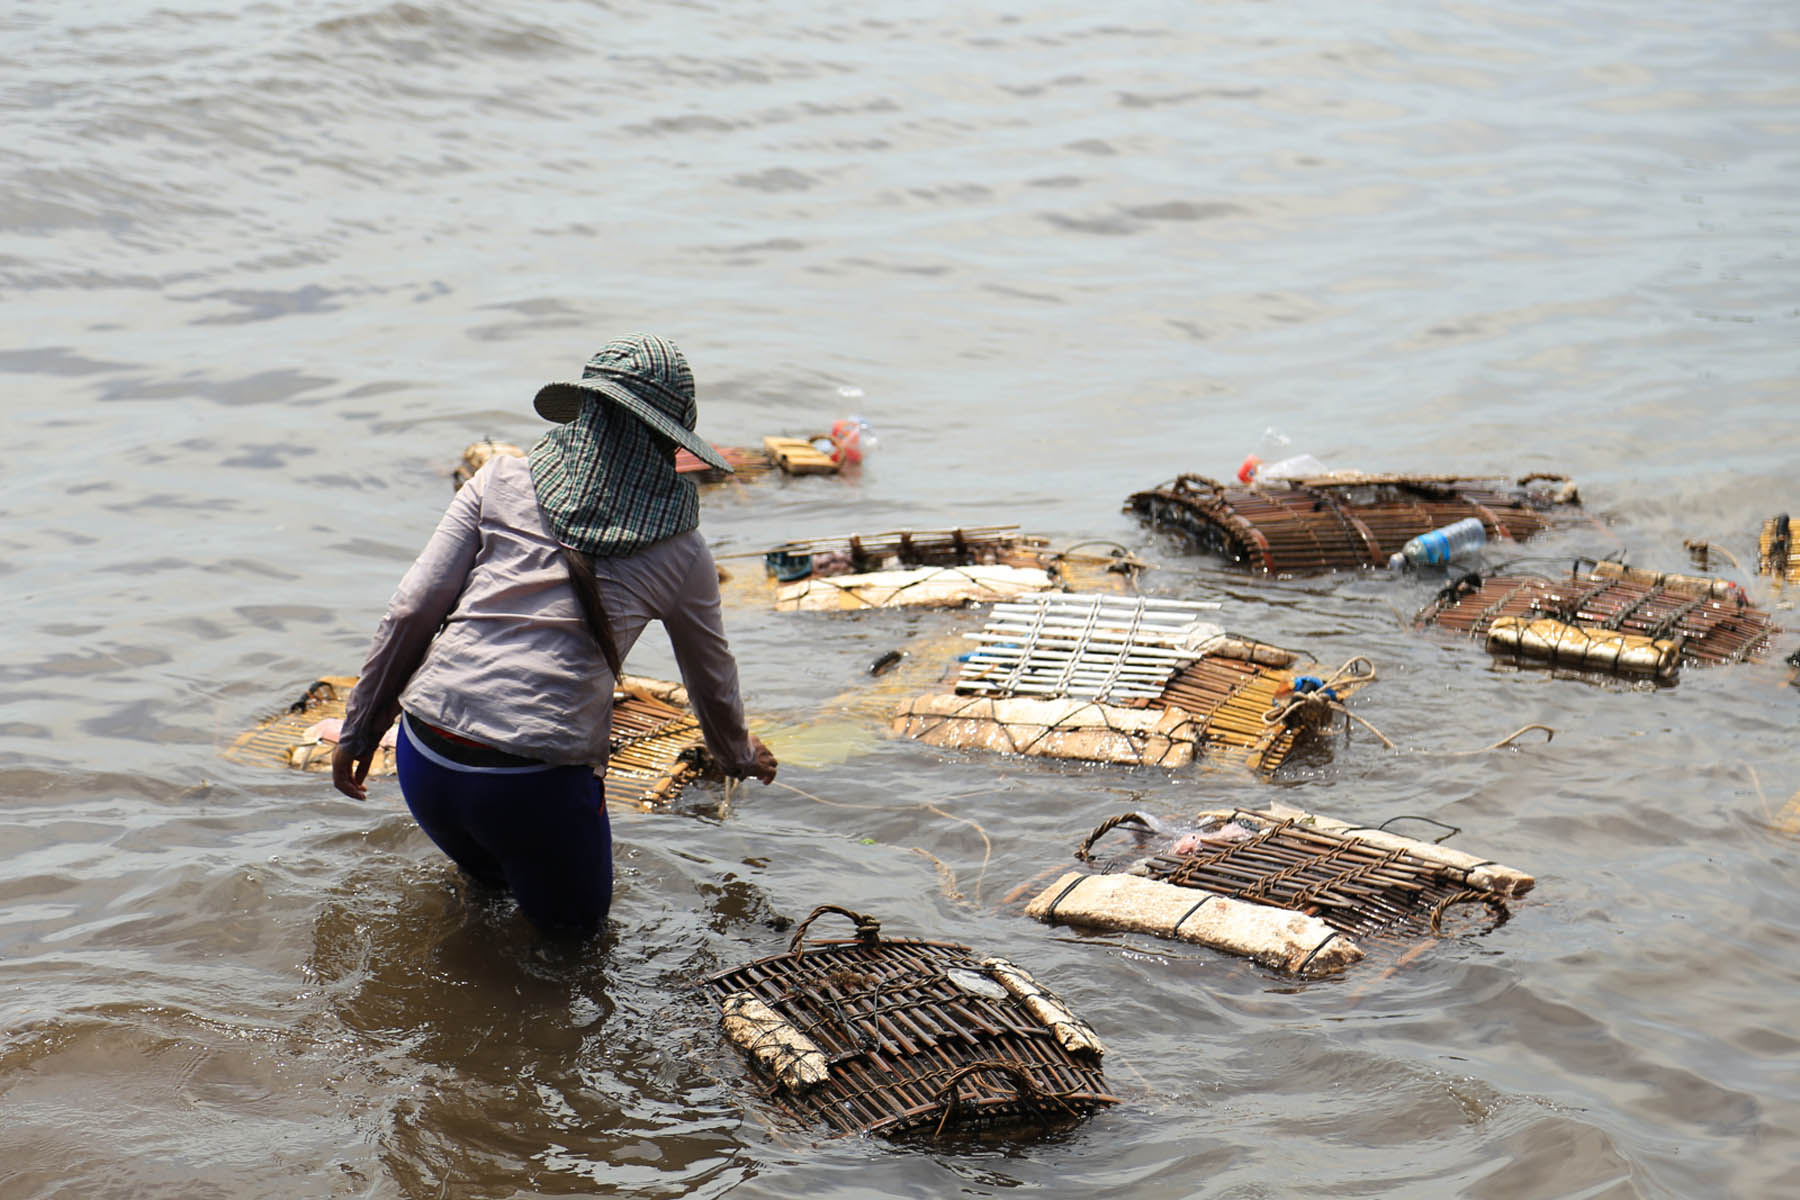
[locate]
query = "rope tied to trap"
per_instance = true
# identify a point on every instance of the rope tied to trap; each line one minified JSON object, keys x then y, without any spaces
{"x":1315,"y":698}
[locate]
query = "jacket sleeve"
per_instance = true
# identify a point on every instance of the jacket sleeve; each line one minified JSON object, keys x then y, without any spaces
{"x":424,"y":600}
{"x":708,"y":671}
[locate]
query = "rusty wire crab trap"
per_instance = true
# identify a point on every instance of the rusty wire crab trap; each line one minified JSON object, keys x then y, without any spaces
{"x":1130,"y":680}
{"x":1609,"y":619}
{"x":1289,"y":889}
{"x":902,"y":1036}
{"x":1343,"y":520}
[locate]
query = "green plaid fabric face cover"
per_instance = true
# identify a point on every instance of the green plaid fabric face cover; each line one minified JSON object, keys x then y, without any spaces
{"x":607,"y":484}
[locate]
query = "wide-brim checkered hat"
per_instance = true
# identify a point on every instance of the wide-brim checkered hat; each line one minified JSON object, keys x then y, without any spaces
{"x":648,"y":378}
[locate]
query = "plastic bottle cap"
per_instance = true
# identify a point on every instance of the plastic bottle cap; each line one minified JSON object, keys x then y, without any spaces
{"x":1396,"y":561}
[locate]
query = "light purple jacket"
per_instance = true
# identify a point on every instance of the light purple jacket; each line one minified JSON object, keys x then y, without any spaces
{"x":484,"y":636}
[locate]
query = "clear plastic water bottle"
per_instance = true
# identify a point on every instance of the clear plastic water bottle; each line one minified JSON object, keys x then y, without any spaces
{"x":1455,"y":540}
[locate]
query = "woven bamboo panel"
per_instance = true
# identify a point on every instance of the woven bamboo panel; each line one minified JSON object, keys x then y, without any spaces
{"x":1707,"y":623}
{"x":914,"y":1037}
{"x":1340,"y":522}
{"x":1778,"y":555}
{"x":657,"y":750}
{"x":280,"y":740}
{"x":1231,"y":698}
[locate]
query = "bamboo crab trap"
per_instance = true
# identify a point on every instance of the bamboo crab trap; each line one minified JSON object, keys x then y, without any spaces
{"x":939,"y":567}
{"x":304,"y":734}
{"x":657,"y":746}
{"x":1343,"y":520}
{"x":1128,"y":680}
{"x":1777,"y":555}
{"x":1611,"y":619}
{"x":1285,"y":888}
{"x":744,"y":462}
{"x":902,"y":1036}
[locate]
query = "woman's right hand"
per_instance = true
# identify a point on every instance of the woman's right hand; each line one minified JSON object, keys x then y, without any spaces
{"x":348,"y":773}
{"x":764,"y":765}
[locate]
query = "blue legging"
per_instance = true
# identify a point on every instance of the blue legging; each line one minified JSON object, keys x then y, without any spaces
{"x":543,"y":835}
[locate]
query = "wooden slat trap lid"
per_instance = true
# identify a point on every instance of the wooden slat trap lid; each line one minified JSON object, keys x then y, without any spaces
{"x":1289,"y":889}
{"x":1344,"y":520}
{"x":898,"y":1035}
{"x":657,"y":746}
{"x":1610,"y":619}
{"x":1127,"y":680}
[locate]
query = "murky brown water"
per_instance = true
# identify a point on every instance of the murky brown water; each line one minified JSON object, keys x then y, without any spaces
{"x":265,"y":271}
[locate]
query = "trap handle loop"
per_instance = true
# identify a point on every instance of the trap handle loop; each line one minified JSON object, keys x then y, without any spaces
{"x":1085,"y":853}
{"x":868,"y":929}
{"x":1026,"y":1087}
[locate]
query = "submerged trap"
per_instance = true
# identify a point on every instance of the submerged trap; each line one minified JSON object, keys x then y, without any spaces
{"x":657,"y":746}
{"x":1127,"y":680}
{"x":1611,"y":618}
{"x":1289,"y":889}
{"x":897,"y":1035}
{"x":936,"y":567}
{"x":1345,"y":519}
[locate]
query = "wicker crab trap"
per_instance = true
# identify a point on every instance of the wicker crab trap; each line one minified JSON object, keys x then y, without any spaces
{"x":657,"y":746}
{"x":1291,"y":890}
{"x":901,"y":1036}
{"x":930,"y":567}
{"x":1128,"y":680}
{"x":1346,"y":519}
{"x":1777,"y":554}
{"x":1610,"y":619}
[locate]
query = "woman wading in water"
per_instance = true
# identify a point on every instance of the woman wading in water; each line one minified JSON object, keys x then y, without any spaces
{"x":501,"y":646}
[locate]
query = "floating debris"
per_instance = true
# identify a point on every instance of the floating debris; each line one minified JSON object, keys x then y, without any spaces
{"x":902,"y":1036}
{"x":1777,"y":555}
{"x":1611,"y":619}
{"x":935,"y":587}
{"x":931,"y":567}
{"x":745,"y":464}
{"x":798,"y":456}
{"x":1289,"y":889}
{"x":1345,"y":519}
{"x":1133,"y":680}
{"x":657,"y":746}
{"x":476,"y":455}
